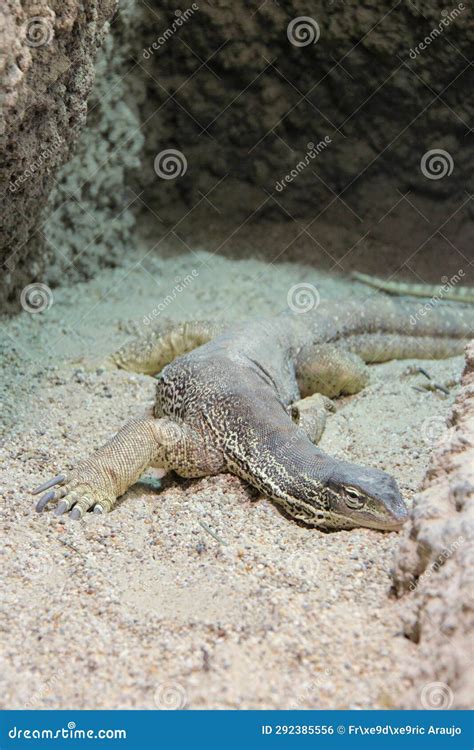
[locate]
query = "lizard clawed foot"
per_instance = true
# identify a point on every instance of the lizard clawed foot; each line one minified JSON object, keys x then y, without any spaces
{"x":96,"y":482}
{"x":74,"y":495}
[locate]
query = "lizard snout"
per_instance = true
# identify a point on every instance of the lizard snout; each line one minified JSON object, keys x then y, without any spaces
{"x":399,"y":514}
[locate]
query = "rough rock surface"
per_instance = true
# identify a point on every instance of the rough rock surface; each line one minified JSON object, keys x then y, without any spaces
{"x":435,"y":563}
{"x":224,"y":85}
{"x":229,"y":90}
{"x":47,"y":71}
{"x":92,"y":215}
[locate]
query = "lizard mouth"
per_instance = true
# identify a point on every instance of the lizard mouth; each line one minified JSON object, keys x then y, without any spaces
{"x":392,"y":519}
{"x":395,"y":523}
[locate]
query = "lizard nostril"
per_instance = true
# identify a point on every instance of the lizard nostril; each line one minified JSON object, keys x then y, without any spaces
{"x":401,"y":513}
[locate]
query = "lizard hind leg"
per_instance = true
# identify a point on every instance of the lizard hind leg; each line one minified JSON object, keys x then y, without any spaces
{"x":330,"y":370}
{"x":162,"y":343}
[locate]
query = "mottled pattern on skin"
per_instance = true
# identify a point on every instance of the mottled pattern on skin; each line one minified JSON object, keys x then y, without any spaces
{"x":228,"y":398}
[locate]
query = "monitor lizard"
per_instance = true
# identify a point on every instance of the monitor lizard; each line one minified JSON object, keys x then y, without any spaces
{"x":251,"y":398}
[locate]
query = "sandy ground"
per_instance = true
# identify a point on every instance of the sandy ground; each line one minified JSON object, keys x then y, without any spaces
{"x":143,"y":608}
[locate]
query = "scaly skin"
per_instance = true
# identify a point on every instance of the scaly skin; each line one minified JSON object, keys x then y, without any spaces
{"x":226,"y":396}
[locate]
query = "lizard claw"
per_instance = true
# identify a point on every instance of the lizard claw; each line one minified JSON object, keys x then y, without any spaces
{"x":75,"y":495}
{"x":62,"y":507}
{"x":44,"y":500}
{"x":51,"y":495}
{"x":59,"y":479}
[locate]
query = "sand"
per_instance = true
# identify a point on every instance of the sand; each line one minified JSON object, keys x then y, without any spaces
{"x":144,"y":608}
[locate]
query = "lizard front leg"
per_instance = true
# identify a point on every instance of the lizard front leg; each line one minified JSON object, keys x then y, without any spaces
{"x":99,"y":480}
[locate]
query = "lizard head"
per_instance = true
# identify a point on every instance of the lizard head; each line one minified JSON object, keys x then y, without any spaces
{"x":359,"y":496}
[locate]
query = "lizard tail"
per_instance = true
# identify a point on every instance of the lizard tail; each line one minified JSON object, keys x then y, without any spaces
{"x":448,"y":289}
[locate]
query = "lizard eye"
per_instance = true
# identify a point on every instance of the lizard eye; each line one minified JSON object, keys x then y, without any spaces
{"x":354,"y":499}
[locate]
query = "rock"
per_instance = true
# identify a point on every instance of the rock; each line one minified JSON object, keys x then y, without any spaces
{"x":106,"y":155}
{"x":47,"y":70}
{"x":263,"y":100}
{"x":433,"y":567}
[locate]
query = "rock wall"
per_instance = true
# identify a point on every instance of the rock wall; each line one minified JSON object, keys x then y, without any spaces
{"x":435,"y":563}
{"x":93,"y":203}
{"x":346,"y":132}
{"x":243,"y":89}
{"x":47,"y":71}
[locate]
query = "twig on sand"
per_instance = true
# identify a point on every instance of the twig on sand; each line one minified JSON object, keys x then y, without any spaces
{"x":213,"y":533}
